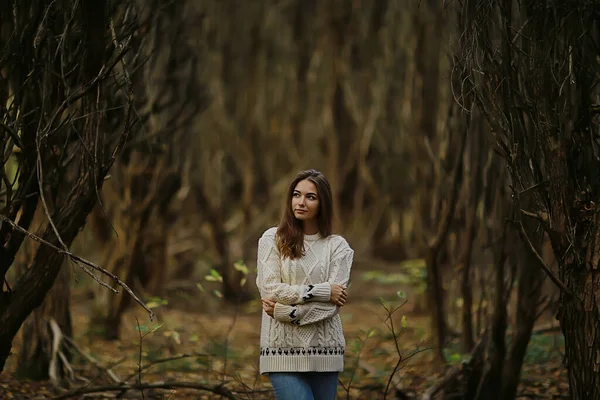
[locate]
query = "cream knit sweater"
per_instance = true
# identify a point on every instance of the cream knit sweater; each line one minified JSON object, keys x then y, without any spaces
{"x":306,"y":331}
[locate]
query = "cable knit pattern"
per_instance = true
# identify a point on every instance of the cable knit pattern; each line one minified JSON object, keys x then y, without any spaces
{"x":306,"y":331}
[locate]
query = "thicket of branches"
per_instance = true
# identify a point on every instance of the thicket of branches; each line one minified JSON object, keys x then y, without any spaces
{"x":532,"y":69}
{"x":66,"y":101}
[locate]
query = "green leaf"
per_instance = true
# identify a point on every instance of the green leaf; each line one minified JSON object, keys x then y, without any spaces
{"x":214,"y":276}
{"x":241,"y":266}
{"x":153,"y":304}
{"x":218,"y":293}
{"x":141,"y":328}
{"x":200,"y":287}
{"x":454,"y":358}
{"x":403,"y":321}
{"x":243,"y":281}
{"x":401,"y":294}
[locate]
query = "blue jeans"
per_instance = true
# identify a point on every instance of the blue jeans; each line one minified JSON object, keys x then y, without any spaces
{"x":304,"y":385}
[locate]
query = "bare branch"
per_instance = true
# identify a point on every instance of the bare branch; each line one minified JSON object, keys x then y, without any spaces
{"x":78,"y":260}
{"x":92,"y":360}
{"x":541,"y":261}
{"x":220,"y":390}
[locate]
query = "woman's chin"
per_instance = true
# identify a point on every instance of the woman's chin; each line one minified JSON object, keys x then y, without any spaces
{"x":302,"y":217}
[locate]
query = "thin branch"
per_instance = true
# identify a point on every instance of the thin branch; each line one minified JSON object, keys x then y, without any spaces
{"x":92,"y":360}
{"x":162,"y":361}
{"x":534,"y":186}
{"x":541,"y":261}
{"x":78,"y":260}
{"x":542,"y":217}
{"x":12,"y":134}
{"x":125,"y":134}
{"x":218,"y":389}
{"x":139,"y":372}
{"x":40,"y":173}
{"x":436,"y":243}
{"x":84,"y":90}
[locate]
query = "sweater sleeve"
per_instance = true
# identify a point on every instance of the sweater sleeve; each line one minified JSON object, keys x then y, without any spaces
{"x":269,"y":281}
{"x":304,"y":314}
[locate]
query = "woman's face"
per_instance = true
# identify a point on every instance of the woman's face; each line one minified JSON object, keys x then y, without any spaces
{"x":305,"y":201}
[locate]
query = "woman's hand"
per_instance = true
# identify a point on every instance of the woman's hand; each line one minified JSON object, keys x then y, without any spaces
{"x":338,"y":295}
{"x":268,"y":306}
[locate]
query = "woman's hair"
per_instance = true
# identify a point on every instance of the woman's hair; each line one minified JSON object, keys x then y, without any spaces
{"x":290,"y":235}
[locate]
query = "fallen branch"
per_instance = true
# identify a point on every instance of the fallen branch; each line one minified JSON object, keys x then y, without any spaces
{"x":53,"y":370}
{"x":450,"y":376}
{"x":92,"y":360}
{"x":539,"y":396}
{"x":453,"y":375}
{"x":218,"y":389}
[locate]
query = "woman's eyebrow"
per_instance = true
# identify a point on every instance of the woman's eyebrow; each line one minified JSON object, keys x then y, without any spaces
{"x":297,"y":191}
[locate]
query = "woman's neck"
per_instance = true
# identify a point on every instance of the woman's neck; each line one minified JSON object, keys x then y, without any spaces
{"x":310,"y":227}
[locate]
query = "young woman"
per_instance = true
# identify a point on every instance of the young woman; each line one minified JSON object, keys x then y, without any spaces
{"x":303,"y":272}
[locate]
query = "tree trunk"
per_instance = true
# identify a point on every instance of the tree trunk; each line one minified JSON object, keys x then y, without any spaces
{"x":473,"y":183}
{"x":529,"y":291}
{"x":466,"y":283}
{"x":233,"y":290}
{"x":118,"y":304}
{"x":131,"y":264}
{"x":36,"y":355}
{"x":155,"y":258}
{"x":34,"y":359}
{"x":579,"y":324}
{"x":435,"y":302}
{"x":30,"y":290}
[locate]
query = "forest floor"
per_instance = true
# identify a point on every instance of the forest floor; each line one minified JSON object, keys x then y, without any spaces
{"x":199,"y":340}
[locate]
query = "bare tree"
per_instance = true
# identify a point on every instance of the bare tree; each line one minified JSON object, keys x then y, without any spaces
{"x":533,"y":71}
{"x":58,"y":69}
{"x":149,"y":173}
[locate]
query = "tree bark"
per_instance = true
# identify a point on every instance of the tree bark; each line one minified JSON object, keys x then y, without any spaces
{"x":435,"y":301}
{"x":473,"y":183}
{"x":35,"y":357}
{"x":579,"y":324}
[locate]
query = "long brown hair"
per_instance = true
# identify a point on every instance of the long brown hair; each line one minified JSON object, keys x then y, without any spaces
{"x":290,"y":235}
